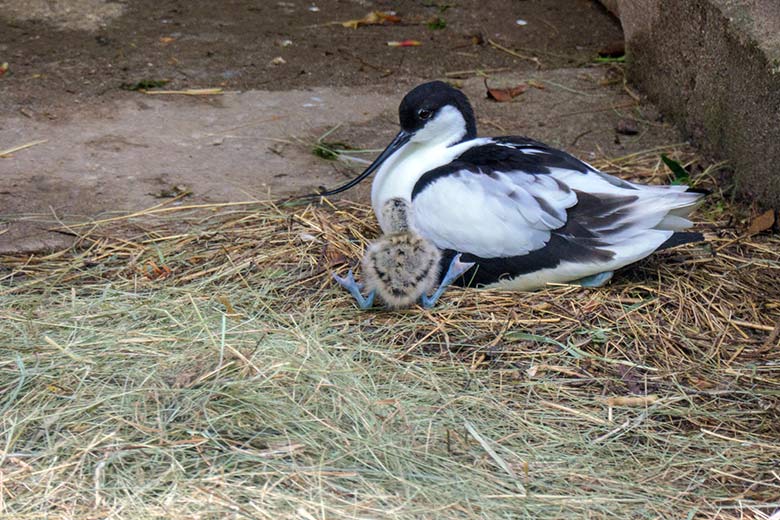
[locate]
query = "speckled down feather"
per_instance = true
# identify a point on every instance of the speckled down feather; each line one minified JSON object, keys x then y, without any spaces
{"x":400,"y":266}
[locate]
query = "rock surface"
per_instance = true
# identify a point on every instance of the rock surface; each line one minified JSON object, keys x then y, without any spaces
{"x":713,"y":66}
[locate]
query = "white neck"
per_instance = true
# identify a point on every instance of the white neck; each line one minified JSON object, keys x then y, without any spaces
{"x":398,"y":175}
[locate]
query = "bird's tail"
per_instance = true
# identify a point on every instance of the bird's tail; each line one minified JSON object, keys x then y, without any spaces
{"x":681,"y":237}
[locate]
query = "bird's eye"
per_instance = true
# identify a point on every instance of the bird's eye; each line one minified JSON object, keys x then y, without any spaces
{"x":424,"y":113}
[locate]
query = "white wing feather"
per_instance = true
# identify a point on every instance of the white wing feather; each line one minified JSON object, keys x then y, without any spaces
{"x":505,"y":214}
{"x":513,"y":213}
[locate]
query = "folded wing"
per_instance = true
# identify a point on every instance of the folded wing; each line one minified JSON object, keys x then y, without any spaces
{"x":515,"y":196}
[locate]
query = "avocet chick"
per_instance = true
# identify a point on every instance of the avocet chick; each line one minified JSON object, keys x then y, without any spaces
{"x":401,"y":266}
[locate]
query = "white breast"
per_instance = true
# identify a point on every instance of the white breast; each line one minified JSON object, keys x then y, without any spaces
{"x":398,"y":175}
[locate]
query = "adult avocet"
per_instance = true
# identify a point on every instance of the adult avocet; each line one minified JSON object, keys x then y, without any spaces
{"x":519,"y":213}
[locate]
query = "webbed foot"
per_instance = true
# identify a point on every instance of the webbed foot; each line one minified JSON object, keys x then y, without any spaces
{"x":596,"y":280}
{"x":348,"y":282}
{"x":456,"y":269}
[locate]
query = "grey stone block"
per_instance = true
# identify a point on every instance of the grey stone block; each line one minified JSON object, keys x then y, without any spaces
{"x":713,"y":67}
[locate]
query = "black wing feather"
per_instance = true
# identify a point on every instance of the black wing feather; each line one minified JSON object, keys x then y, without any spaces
{"x":505,"y":154}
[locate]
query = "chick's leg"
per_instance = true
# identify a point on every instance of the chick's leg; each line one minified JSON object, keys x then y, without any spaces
{"x":355,"y":289}
{"x":456,"y":269}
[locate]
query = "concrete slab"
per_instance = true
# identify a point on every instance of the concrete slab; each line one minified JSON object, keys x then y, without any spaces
{"x":133,"y":153}
{"x":228,"y":147}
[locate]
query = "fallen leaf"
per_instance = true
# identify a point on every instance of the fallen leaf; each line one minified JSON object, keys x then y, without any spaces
{"x":763,"y":222}
{"x":613,"y":49}
{"x":405,"y":43}
{"x":680,"y":173}
{"x":535,"y":84}
{"x":154,"y":272}
{"x":165,"y":40}
{"x":437,"y":24}
{"x":3,"y":68}
{"x":477,"y":39}
{"x":372,"y":18}
{"x":144,"y":84}
{"x":224,"y":300}
{"x":590,"y":306}
{"x":334,"y":258}
{"x":502,"y":95}
{"x":329,"y":150}
{"x":178,"y":190}
{"x":329,"y":257}
{"x":627,"y":127}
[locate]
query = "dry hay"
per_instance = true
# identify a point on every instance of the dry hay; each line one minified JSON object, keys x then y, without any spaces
{"x":205,"y":365}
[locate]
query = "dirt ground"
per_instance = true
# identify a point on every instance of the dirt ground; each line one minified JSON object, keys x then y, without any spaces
{"x":57,"y":63}
{"x":290,"y":74}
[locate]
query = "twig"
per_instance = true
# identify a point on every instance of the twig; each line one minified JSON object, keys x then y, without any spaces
{"x":493,"y":455}
{"x":186,"y":92}
{"x":515,"y":53}
{"x":66,"y":351}
{"x":474,"y":72}
{"x":6,"y":153}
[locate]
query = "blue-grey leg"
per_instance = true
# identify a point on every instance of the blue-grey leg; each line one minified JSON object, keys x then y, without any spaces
{"x":348,"y":282}
{"x":456,"y":269}
{"x":596,"y":280}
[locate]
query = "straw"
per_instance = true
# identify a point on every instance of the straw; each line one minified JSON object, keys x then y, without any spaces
{"x":200,"y":362}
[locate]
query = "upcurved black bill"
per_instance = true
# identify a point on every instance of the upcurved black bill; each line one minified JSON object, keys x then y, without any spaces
{"x":401,"y":139}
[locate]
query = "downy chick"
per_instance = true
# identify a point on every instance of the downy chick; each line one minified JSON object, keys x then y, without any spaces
{"x":400,"y":266}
